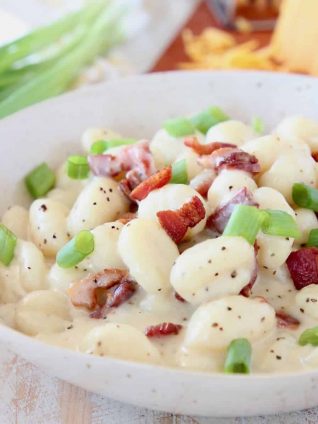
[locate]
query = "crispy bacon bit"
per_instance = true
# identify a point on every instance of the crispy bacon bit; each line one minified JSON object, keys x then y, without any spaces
{"x":205,"y":149}
{"x":164,"y":329}
{"x":315,"y":156}
{"x":203,"y":181}
{"x":178,"y":297}
{"x":230,"y":158}
{"x":157,"y":180}
{"x":105,"y":289}
{"x":176,"y":223}
{"x":286,"y":321}
{"x":220,"y":217}
{"x":303,"y":267}
{"x":127,"y":217}
{"x":136,"y":157}
{"x":104,"y":165}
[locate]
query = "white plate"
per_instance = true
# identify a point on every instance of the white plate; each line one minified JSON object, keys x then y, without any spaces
{"x":137,"y":106}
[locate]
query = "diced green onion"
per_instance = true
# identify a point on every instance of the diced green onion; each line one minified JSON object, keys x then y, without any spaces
{"x":208,"y":118}
{"x":179,"y":172}
{"x":245,"y":221}
{"x":279,"y":223}
{"x":179,"y":127}
{"x":8,"y":242}
{"x":305,"y":196}
{"x":76,"y":249}
{"x":77,"y":167}
{"x":309,"y":336}
{"x":238,"y":357}
{"x":102,"y":146}
{"x":40,"y":180}
{"x":313,"y":238}
{"x":258,"y":125}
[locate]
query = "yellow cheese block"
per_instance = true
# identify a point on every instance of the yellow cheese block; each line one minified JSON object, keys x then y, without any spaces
{"x":295,"y":40}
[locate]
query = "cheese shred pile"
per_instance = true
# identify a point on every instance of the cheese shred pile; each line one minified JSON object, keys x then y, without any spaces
{"x":217,"y":49}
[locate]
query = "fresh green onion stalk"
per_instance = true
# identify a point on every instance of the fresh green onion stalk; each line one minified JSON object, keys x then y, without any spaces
{"x":309,"y":336}
{"x":40,"y":180}
{"x":8,"y":243}
{"x":313,"y":238}
{"x":102,"y":146}
{"x":77,"y":167}
{"x":208,"y":118}
{"x":179,"y":172}
{"x":245,"y":221}
{"x":238,"y":357}
{"x":305,"y":196}
{"x":76,"y":250}
{"x":179,"y":127}
{"x":279,"y":223}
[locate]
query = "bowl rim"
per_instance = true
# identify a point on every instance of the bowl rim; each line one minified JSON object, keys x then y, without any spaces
{"x":8,"y":333}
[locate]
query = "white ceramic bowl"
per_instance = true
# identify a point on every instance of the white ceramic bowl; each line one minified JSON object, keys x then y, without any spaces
{"x":137,"y":106}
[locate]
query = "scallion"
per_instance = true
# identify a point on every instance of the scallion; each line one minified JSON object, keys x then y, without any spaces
{"x":279,"y":223}
{"x":258,"y":125}
{"x":40,"y":180}
{"x":309,"y":336}
{"x":238,"y":357}
{"x":8,"y":242}
{"x":305,"y":196}
{"x":179,"y":127}
{"x":76,"y":250}
{"x":313,"y":238}
{"x":208,"y":118}
{"x":102,"y":146}
{"x":179,"y":172}
{"x":77,"y":167}
{"x":245,"y":221}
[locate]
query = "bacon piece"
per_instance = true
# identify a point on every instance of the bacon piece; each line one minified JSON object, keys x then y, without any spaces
{"x":104,"y":165}
{"x":164,"y":329}
{"x":286,"y":321}
{"x":107,"y":288}
{"x":176,"y":223}
{"x":230,"y":158}
{"x":220,"y":217}
{"x":303,"y":267}
{"x":136,"y":157}
{"x":205,"y":149}
{"x":127,"y":217}
{"x":315,"y":156}
{"x":203,"y":181}
{"x":155,"y":181}
{"x":178,"y":297}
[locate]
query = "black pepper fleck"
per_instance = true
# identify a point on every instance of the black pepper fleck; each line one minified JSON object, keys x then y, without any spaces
{"x":43,"y":208}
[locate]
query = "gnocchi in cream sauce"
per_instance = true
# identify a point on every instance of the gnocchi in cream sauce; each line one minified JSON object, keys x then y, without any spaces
{"x":196,"y":249}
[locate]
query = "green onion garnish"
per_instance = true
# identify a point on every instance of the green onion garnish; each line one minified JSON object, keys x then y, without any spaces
{"x":40,"y":180}
{"x":8,"y":242}
{"x":313,"y":238}
{"x":309,"y":336}
{"x":76,"y":249}
{"x":179,"y":172}
{"x":258,"y":125}
{"x":305,"y":196}
{"x":245,"y":221}
{"x":238,"y":357}
{"x":101,"y":146}
{"x":208,"y":118}
{"x":179,"y":127}
{"x":77,"y":167}
{"x":279,"y":223}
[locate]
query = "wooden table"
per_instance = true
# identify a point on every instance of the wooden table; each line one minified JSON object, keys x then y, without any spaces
{"x":29,"y":396}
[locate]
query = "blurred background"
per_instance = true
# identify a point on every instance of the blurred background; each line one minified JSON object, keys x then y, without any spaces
{"x":51,"y":46}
